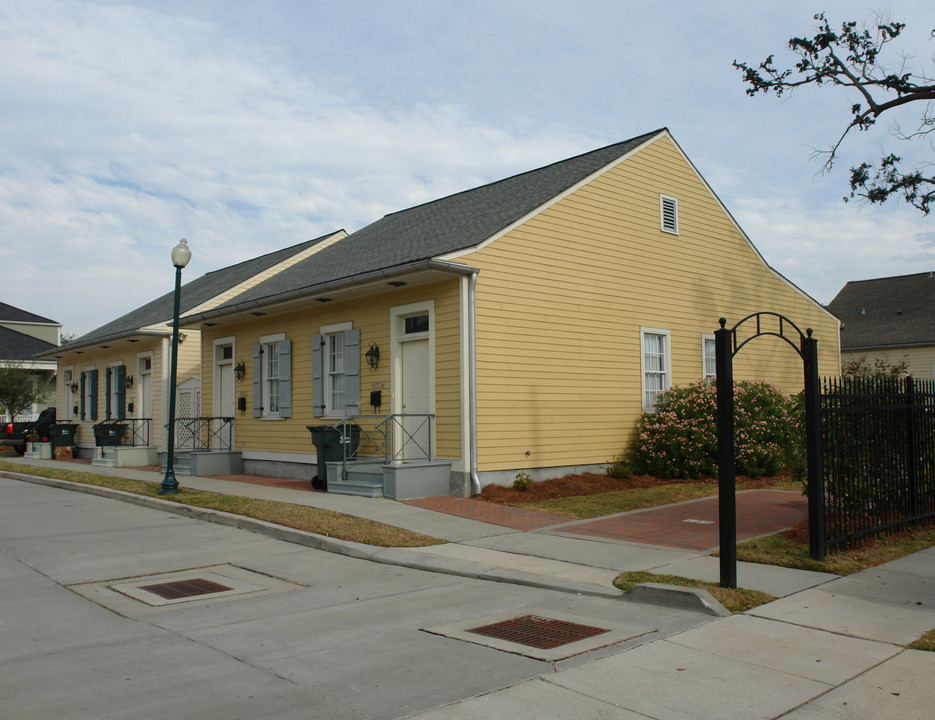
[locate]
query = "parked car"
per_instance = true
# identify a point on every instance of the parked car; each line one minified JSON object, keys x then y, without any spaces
{"x":15,"y":433}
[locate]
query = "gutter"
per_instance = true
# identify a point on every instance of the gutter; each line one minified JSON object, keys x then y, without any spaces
{"x":472,"y":382}
{"x":344,"y":283}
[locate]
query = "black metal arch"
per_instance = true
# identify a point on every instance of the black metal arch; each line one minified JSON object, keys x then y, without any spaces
{"x":726,"y":346}
{"x":784,"y":322}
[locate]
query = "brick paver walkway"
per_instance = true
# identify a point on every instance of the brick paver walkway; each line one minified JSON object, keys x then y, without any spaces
{"x":694,"y":525}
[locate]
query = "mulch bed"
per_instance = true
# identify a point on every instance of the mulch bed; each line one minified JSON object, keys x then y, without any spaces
{"x":595,"y":483}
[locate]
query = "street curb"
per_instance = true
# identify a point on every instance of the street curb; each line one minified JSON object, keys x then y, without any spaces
{"x":408,"y":557}
{"x":678,"y":596}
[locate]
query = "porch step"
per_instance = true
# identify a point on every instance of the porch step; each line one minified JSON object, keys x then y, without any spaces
{"x":363,"y":479}
{"x":397,"y":481}
{"x":103,"y":456}
{"x":182,"y":464}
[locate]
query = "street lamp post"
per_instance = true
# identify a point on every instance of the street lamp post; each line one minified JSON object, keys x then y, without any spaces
{"x":180,"y":257}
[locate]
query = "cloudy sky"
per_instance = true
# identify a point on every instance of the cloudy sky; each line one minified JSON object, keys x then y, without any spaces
{"x":248,"y":127}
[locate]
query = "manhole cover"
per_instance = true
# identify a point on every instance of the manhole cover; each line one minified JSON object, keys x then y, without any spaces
{"x":538,"y":632}
{"x":185,"y":588}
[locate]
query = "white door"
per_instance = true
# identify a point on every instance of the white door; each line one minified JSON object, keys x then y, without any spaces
{"x":416,"y":400}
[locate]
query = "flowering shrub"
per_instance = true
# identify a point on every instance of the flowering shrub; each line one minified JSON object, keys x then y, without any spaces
{"x":679,"y":440}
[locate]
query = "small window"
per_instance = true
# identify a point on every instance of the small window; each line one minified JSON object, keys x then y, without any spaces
{"x":224,"y":352}
{"x":709,"y":359}
{"x":669,"y":210}
{"x":335,"y":364}
{"x":417,"y":324}
{"x":271,"y":378}
{"x":656,"y":364}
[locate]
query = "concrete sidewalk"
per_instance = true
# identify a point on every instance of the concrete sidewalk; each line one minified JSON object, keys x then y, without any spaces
{"x":830,"y":647}
{"x":546,"y":557}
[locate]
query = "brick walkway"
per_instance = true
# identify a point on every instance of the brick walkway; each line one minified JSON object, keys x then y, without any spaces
{"x":689,"y":526}
{"x":694,"y":525}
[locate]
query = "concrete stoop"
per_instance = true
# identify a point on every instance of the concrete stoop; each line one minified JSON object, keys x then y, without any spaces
{"x":207,"y":463}
{"x":396,"y":481}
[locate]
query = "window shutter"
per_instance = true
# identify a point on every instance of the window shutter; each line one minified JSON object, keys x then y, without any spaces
{"x":82,"y":401}
{"x":120,"y":377}
{"x":257,"y":380}
{"x":284,"y":347}
{"x":318,"y":387}
{"x":93,"y":394}
{"x":107,"y":386}
{"x":352,"y":372}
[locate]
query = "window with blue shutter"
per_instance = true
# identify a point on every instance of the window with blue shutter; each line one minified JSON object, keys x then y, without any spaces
{"x":92,"y":394}
{"x":120,"y":394}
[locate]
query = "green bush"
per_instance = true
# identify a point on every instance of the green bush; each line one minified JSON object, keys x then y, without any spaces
{"x":679,"y":439}
{"x":523,"y":481}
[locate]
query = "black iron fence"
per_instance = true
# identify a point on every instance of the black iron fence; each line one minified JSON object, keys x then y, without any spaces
{"x":878,"y":456}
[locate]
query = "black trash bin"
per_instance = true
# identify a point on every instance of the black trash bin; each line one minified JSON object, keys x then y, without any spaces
{"x":107,"y":434}
{"x":329,"y":444}
{"x":63,"y":434}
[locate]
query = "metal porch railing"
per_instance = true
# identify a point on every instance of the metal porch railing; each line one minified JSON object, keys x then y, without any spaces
{"x":204,"y":433}
{"x":400,"y":437}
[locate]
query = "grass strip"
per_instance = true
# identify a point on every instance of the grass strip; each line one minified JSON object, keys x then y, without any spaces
{"x":585,"y":507}
{"x":299,"y":517}
{"x":926,"y":642}
{"x":737,"y":600}
{"x":789,"y":550}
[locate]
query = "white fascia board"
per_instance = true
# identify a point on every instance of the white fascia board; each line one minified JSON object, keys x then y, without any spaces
{"x":250,"y":282}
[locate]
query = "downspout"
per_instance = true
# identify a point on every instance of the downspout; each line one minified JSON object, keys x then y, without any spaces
{"x":472,"y":382}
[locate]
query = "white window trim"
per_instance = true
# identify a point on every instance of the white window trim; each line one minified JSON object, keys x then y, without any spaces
{"x":667,"y":382}
{"x":662,"y":223}
{"x":326,"y":332}
{"x":264,"y":341}
{"x":398,"y":337}
{"x":113,"y":389}
{"x":705,"y":338}
{"x":69,"y":397}
{"x":139,"y":404}
{"x":87,"y":394}
{"x":215,"y":400}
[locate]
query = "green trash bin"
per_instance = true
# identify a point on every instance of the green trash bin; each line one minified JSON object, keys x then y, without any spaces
{"x":329,"y":444}
{"x":63,"y":434}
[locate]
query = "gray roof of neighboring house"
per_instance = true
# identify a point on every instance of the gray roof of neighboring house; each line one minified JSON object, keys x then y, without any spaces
{"x":8,"y":313}
{"x":887,"y":311}
{"x":437,"y":228}
{"x":193,"y":294}
{"x":20,"y":346}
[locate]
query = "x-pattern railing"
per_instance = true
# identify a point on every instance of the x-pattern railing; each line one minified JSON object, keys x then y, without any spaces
{"x":204,"y":433}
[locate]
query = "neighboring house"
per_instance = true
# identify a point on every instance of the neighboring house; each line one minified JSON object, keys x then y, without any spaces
{"x":23,"y":337}
{"x":119,"y":372}
{"x":890,"y":319}
{"x":534,"y":319}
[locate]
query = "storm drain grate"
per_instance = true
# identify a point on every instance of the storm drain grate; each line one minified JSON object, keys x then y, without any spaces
{"x":185,"y":588}
{"x":538,"y":632}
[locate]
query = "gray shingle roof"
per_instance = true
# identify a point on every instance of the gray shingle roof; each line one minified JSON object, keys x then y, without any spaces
{"x":193,"y":294}
{"x":8,"y":313}
{"x":887,"y":311}
{"x":21,"y":347}
{"x":437,"y":228}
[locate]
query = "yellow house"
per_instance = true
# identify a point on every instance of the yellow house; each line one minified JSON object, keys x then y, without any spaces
{"x":519,"y":326}
{"x":889,"y":319}
{"x":112,"y":382}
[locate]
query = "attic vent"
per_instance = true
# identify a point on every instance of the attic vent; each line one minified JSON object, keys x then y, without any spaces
{"x":669,"y":210}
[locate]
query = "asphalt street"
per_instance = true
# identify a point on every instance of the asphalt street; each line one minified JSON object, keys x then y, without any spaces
{"x":303,"y":633}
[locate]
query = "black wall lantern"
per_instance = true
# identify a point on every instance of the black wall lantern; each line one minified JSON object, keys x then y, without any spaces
{"x":240,"y":370}
{"x":74,"y":387}
{"x":128,"y":381}
{"x":373,"y":356}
